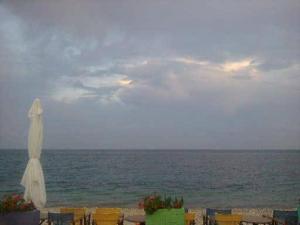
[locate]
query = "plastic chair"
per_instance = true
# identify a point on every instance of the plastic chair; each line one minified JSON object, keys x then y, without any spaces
{"x":285,"y":217}
{"x":222,"y":219}
{"x":207,"y":219}
{"x":80,"y":215}
{"x":112,"y":210}
{"x":176,"y":217}
{"x":108,"y":210}
{"x":105,"y":218}
{"x":60,"y":218}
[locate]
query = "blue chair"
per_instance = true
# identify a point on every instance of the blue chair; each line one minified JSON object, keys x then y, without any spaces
{"x":210,"y":213}
{"x":285,"y":217}
{"x":60,"y":218}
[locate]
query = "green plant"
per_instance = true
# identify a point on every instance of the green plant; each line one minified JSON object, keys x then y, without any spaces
{"x":154,"y":202}
{"x":15,"y":203}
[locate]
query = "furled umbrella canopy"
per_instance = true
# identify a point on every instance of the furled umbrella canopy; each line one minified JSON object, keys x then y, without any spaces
{"x":33,"y":178}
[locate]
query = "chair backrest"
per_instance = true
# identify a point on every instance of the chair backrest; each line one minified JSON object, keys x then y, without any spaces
{"x":106,"y":218}
{"x":289,"y":217}
{"x":189,"y":218}
{"x":79,"y":213}
{"x":175,"y":216}
{"x":108,"y":210}
{"x":61,"y":218}
{"x":222,"y":219}
{"x":212,"y":212}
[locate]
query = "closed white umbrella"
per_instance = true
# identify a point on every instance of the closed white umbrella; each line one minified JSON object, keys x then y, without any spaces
{"x":33,"y":178}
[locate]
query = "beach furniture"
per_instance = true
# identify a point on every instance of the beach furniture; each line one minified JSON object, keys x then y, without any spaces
{"x":107,"y":210}
{"x":60,"y":218}
{"x":137,"y":219}
{"x":285,"y":217}
{"x":222,"y":219}
{"x":208,"y":218}
{"x":166,"y":217}
{"x":33,"y":177}
{"x":81,"y":217}
{"x":256,"y":219}
{"x":189,"y":218}
{"x":107,"y":216}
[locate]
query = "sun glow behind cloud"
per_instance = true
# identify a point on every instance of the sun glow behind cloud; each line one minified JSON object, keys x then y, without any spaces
{"x":125,"y":82}
{"x":234,"y":66}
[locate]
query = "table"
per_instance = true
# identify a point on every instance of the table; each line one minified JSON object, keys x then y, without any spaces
{"x":136,"y":219}
{"x":256,"y":219}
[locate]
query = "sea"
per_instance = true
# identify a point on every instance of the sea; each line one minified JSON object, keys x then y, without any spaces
{"x":204,"y":178}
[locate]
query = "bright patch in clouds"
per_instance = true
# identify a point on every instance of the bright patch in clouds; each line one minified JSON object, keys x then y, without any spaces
{"x":235,"y":66}
{"x":125,"y":82}
{"x":107,"y":80}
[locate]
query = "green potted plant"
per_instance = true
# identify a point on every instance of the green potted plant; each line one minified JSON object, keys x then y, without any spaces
{"x":163,"y":211}
{"x":14,"y":210}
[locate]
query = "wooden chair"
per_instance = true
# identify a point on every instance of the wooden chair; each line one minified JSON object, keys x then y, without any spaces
{"x":285,"y":217}
{"x":189,"y":218}
{"x":80,"y":215}
{"x":222,"y":219}
{"x":60,"y":218}
{"x":106,"y":218}
{"x":210,"y":213}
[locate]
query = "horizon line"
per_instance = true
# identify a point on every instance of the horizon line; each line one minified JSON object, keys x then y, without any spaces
{"x":162,"y":149}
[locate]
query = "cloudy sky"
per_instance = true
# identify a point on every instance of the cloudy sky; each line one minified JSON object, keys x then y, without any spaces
{"x":152,"y":74}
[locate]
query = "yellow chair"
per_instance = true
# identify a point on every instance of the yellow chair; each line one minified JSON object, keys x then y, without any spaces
{"x":108,"y":210}
{"x":80,"y":215}
{"x":106,"y":218}
{"x":228,"y":219}
{"x":189,"y":218}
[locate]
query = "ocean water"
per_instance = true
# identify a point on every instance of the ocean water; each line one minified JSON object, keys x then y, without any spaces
{"x":122,"y":177}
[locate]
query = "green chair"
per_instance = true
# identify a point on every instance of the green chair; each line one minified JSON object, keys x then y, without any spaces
{"x":166,"y":217}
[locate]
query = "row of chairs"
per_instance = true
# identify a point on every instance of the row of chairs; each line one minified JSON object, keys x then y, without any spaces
{"x":225,"y":217}
{"x":101,"y":216}
{"x":80,"y":216}
{"x":113,"y":216}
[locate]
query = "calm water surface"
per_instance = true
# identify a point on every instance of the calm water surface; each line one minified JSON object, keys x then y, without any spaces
{"x":123,"y":177}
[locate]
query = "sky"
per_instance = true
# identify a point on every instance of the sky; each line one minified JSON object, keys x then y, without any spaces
{"x":165,"y":74}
